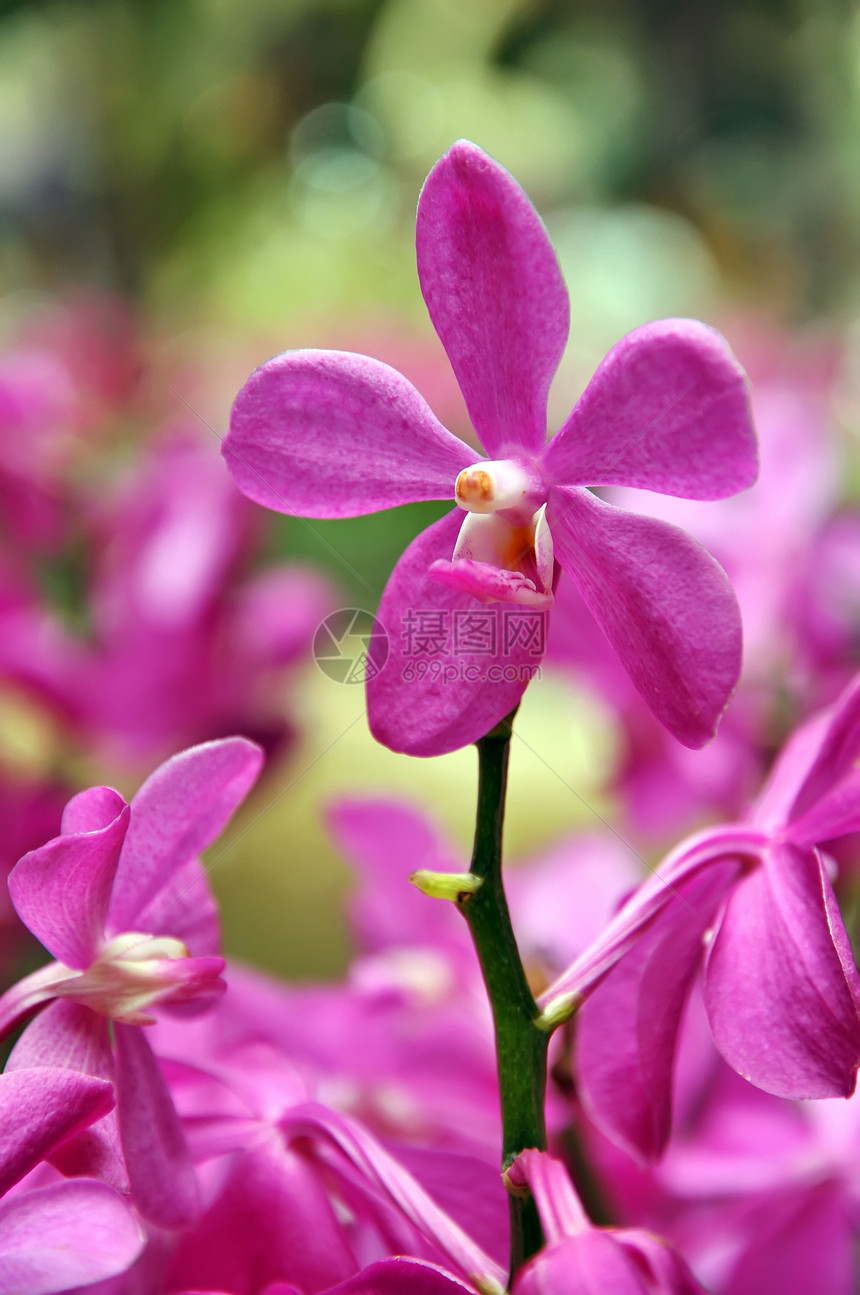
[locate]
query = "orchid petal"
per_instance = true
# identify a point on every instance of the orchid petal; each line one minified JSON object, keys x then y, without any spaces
{"x":666,"y":410}
{"x":39,"y":1109}
{"x":781,"y":989}
{"x":627,"y":1029}
{"x":162,"y":1180}
{"x":63,"y":1236}
{"x":95,"y":1152}
{"x":495,"y":293}
{"x":329,"y":434}
{"x":180,"y":809}
{"x":434,"y":701}
{"x":835,"y":815}
{"x":469,"y":1189}
{"x":664,"y":603}
{"x":62,"y":890}
{"x":91,"y":810}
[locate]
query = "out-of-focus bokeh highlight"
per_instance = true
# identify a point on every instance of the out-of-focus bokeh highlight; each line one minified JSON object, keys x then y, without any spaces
{"x":189,"y":186}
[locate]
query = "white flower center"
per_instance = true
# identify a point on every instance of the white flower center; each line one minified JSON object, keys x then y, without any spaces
{"x":132,"y":972}
{"x":492,"y":485}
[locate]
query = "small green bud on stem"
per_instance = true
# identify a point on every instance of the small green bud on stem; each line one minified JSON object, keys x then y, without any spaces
{"x":457,"y":886}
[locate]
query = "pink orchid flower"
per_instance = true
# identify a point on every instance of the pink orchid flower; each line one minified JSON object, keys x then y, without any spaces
{"x":578,"y":1258}
{"x":120,"y":900}
{"x":754,"y":903}
{"x":329,"y":434}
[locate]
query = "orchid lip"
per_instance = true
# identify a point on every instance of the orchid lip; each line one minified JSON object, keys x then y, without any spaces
{"x":495,"y":548}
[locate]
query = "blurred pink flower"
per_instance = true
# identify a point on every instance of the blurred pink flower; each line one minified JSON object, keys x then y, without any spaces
{"x":187,"y":645}
{"x":826,"y":604}
{"x":74,"y":364}
{"x":764,"y":1192}
{"x":298,"y":1193}
{"x":758,"y":1193}
{"x":96,"y":337}
{"x":36,"y":406}
{"x":182,"y":642}
{"x":30,"y":812}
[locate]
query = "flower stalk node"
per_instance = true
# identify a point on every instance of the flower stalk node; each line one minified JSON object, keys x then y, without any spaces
{"x":456,"y":886}
{"x":512,"y":1186}
{"x":557,"y":1012}
{"x":486,"y":1285}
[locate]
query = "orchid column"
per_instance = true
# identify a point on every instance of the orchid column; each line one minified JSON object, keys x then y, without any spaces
{"x":328,"y":434}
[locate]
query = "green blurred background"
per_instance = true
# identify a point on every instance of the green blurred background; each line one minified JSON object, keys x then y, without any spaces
{"x":245,"y":174}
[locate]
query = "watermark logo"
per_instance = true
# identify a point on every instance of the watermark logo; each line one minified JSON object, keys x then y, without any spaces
{"x":494,"y":633}
{"x":351,"y":646}
{"x":477,"y":645}
{"x":436,"y":646}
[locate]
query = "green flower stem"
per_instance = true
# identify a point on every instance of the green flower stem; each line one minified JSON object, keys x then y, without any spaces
{"x":521,"y":1046}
